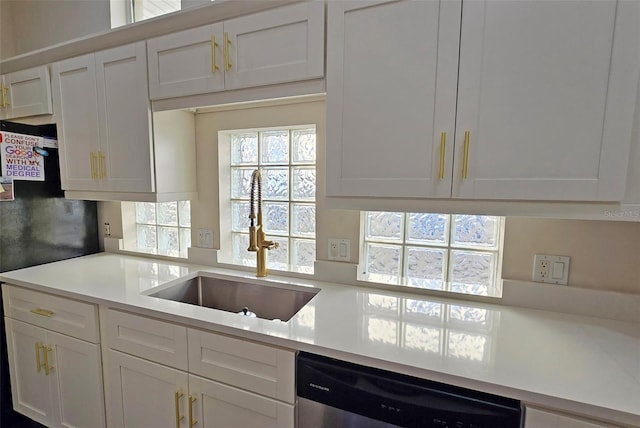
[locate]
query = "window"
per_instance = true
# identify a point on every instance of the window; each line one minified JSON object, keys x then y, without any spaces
{"x":286,"y":158}
{"x":163,"y":228}
{"x":125,"y":12}
{"x":145,"y":9}
{"x":456,"y":253}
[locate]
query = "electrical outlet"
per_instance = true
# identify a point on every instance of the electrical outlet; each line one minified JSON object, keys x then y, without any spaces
{"x":205,"y":238}
{"x":551,"y":269}
{"x":339,"y":250}
{"x":107,"y":229}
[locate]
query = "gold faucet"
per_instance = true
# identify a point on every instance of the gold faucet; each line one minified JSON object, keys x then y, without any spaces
{"x":257,"y":238}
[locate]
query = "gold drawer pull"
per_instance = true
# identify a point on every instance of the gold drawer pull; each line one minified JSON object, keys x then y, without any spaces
{"x":5,"y":103}
{"x":192,"y":421}
{"x":93,"y":168}
{"x":47,"y":368}
{"x":227,"y":42}
{"x":443,"y":145}
{"x":103,"y":173}
{"x":38,"y":362}
{"x":465,"y":161}
{"x":44,"y":312}
{"x":178,"y":396}
{"x":214,"y":45}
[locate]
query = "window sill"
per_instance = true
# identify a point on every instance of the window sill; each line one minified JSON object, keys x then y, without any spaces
{"x":493,"y":290}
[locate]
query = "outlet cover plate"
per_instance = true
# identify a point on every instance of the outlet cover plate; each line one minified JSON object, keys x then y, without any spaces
{"x":339,"y":250}
{"x":551,"y":269}
{"x":205,"y":238}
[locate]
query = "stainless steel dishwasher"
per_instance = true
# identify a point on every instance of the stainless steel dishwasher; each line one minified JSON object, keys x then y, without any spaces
{"x":338,"y":394}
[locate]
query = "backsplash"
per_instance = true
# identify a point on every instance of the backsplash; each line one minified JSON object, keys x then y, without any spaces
{"x":604,"y":255}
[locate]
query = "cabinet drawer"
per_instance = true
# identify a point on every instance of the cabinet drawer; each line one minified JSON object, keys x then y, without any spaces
{"x":262,"y":369}
{"x":154,"y":340}
{"x":70,"y":317}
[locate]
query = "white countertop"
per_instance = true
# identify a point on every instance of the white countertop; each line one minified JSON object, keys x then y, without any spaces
{"x":576,"y":364}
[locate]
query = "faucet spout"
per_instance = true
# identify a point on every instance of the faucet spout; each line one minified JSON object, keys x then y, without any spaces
{"x":258,"y":242}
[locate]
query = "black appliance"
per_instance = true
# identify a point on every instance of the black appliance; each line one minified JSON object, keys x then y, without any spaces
{"x":39,"y":226}
{"x":333,"y":393}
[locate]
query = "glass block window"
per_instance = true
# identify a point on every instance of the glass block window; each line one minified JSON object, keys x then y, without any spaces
{"x":287,"y":160}
{"x":457,"y":253}
{"x":164,"y":228}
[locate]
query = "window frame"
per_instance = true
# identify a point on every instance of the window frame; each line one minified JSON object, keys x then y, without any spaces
{"x":494,"y":287}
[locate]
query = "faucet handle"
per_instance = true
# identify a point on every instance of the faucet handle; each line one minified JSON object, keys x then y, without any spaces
{"x":270,"y":245}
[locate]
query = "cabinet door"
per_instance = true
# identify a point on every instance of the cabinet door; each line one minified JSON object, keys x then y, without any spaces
{"x":144,"y":394}
{"x":276,"y":46}
{"x":535,"y":418}
{"x":391,"y":93}
{"x":27,"y":93}
{"x":219,"y":405}
{"x":544,"y":94}
{"x":29,"y":384}
{"x":126,"y":153}
{"x":75,"y":382}
{"x":186,"y":63}
{"x":76,"y":106}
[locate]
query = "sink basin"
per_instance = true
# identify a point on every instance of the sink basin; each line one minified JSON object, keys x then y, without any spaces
{"x":262,"y":301}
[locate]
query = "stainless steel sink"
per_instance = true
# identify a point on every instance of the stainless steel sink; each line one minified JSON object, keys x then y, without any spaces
{"x":262,"y":301}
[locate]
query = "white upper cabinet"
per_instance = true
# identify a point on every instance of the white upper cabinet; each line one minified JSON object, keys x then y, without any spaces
{"x":391,"y":87}
{"x":76,"y":103}
{"x":544,"y":92}
{"x":539,"y":106}
{"x":125,"y":129}
{"x":104,"y":119}
{"x":25,"y":93}
{"x":186,"y":63}
{"x":276,"y":46}
{"x":110,"y":146}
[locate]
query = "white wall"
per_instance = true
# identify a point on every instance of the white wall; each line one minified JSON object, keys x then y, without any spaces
{"x":6,"y":30}
{"x":35,"y":24}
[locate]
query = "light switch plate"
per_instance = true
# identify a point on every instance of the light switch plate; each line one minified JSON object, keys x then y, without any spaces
{"x":339,"y":250}
{"x":551,"y":269}
{"x":205,"y":238}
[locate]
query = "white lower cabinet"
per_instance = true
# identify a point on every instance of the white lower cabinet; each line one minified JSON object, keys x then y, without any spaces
{"x":55,"y":362}
{"x":537,"y":418}
{"x":147,"y":389}
{"x":220,"y":405}
{"x":55,"y":379}
{"x":144,"y":394}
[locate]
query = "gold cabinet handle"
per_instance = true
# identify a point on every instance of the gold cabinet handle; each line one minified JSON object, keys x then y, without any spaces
{"x":465,"y":161}
{"x":44,"y":312}
{"x":2,"y":90}
{"x":47,"y":368}
{"x":443,"y":144}
{"x":227,"y":42}
{"x":214,"y":45}
{"x":5,"y":103}
{"x":38,"y":362}
{"x":192,"y":421}
{"x":103,"y":170}
{"x":178,"y":396}
{"x":93,"y":167}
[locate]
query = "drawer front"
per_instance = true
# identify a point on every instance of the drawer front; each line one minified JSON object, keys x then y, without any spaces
{"x":154,"y":340}
{"x":66,"y":316}
{"x":258,"y":368}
